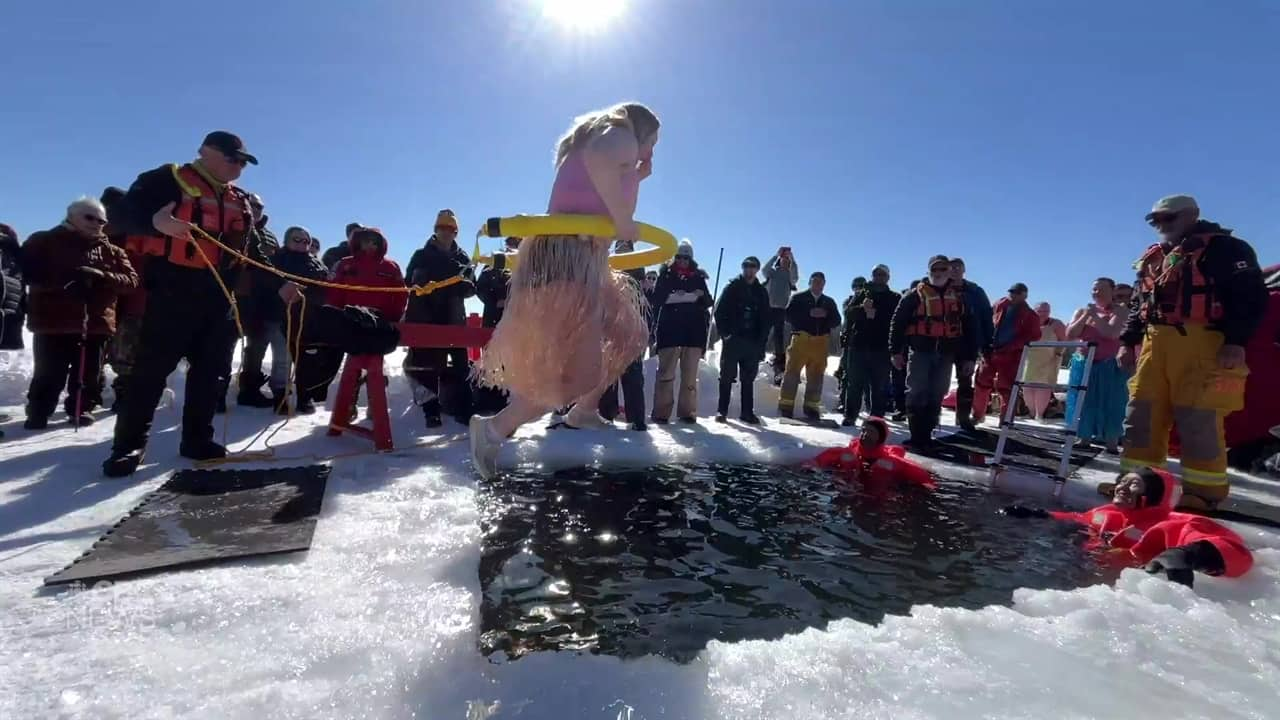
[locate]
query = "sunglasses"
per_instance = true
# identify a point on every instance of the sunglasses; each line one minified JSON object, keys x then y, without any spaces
{"x":235,"y":160}
{"x":300,"y":239}
{"x":683,"y":257}
{"x":939,"y":270}
{"x":94,"y":219}
{"x":1158,"y":219}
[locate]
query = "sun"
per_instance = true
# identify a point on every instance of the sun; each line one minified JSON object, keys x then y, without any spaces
{"x":583,"y":15}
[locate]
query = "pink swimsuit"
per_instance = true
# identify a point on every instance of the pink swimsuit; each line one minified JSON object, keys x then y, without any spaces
{"x":574,"y":194}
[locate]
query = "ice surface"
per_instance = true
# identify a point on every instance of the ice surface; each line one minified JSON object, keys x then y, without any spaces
{"x":378,"y":620}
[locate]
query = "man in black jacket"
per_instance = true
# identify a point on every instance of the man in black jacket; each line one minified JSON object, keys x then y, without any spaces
{"x":187,"y":314}
{"x":812,"y":316}
{"x":257,"y":299}
{"x":440,"y":373}
{"x":867,"y":351}
{"x":742,"y":317}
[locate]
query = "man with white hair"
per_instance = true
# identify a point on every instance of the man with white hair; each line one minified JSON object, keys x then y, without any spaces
{"x":1201,"y":297}
{"x":74,"y":275}
{"x":188,"y":315}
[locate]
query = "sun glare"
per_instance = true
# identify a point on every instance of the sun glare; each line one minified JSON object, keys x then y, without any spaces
{"x":583,"y":15}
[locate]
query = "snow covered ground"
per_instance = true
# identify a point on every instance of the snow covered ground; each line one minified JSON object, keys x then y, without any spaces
{"x":379,"y":619}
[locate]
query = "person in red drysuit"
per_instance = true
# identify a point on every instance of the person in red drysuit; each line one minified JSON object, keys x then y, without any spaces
{"x":1140,"y":527}
{"x":867,"y":458}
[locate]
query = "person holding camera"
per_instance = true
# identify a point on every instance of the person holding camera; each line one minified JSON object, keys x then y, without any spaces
{"x":781,"y":277}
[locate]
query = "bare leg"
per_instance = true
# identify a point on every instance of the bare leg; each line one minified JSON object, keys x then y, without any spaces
{"x":517,"y":412}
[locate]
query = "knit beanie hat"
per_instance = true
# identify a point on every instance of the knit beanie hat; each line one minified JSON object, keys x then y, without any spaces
{"x":751,"y":260}
{"x":685,"y":248}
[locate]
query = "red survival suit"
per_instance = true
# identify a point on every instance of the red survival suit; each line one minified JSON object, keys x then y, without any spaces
{"x":1145,"y":532}
{"x":878,"y":466}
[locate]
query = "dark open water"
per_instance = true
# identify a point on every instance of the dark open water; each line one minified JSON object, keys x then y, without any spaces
{"x":661,"y":560}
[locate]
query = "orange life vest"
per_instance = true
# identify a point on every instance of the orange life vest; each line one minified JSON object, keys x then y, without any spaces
{"x":1172,"y":289}
{"x":938,"y":314}
{"x":224,"y":215}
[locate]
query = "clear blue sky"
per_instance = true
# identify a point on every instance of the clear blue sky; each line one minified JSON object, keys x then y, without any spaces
{"x":1029,"y":137}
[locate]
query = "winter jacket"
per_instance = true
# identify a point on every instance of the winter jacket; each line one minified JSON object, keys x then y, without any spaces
{"x":369,"y":270}
{"x":302,"y":264}
{"x":258,"y":292}
{"x":1231,"y":265}
{"x":1024,"y":326}
{"x":800,"y":314}
{"x":335,"y":254}
{"x":872,"y":333}
{"x":446,"y":305}
{"x":780,"y":281}
{"x":683,"y":319}
{"x":50,"y":260}
{"x":979,"y":306}
{"x":743,"y":311}
{"x":492,"y":287}
{"x":13,"y":296}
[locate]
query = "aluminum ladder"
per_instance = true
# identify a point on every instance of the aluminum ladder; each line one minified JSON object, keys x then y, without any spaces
{"x":1008,"y":413}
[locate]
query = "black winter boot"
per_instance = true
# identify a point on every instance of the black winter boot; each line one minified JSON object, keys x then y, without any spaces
{"x":206,"y":450}
{"x":122,"y":463}
{"x":921,"y":432}
{"x":431,"y":413}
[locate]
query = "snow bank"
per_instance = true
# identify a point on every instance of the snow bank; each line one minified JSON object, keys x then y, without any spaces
{"x":379,"y":619}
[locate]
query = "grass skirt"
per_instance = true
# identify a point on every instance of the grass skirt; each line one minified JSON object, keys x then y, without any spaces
{"x":570,"y":324}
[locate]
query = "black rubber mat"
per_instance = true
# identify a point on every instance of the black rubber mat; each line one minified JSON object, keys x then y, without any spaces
{"x":1039,"y":452}
{"x":207,"y":516}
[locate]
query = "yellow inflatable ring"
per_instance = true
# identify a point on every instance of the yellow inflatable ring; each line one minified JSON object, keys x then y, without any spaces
{"x":664,"y":243}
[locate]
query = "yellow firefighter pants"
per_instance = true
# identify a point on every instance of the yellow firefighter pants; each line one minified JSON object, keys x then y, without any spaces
{"x":1178,"y":381}
{"x":809,"y":353}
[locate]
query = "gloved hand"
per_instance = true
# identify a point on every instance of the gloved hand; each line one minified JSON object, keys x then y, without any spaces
{"x":361,"y":316}
{"x":1176,"y":564}
{"x":499,"y":261}
{"x":1023,"y":512}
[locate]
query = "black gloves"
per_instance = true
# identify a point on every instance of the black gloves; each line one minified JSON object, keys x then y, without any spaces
{"x":1023,"y":512}
{"x":499,"y":261}
{"x":1175,"y":564}
{"x":1178,"y":564}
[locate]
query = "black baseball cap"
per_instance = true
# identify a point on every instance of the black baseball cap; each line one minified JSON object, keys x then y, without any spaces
{"x":1018,"y":288}
{"x":229,"y":144}
{"x":751,"y":260}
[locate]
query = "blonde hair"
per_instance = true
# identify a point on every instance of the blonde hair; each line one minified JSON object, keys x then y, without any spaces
{"x":638,"y":118}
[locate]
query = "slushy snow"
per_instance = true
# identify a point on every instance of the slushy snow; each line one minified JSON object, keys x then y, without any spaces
{"x":379,"y":618}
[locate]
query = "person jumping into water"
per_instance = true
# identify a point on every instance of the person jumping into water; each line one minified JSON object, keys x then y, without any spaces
{"x":572,"y":325}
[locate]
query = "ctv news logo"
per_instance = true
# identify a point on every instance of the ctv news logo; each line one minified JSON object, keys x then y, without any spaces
{"x":101,"y":607}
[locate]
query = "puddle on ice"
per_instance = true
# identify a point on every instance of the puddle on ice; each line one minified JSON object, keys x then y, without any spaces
{"x":663,"y":560}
